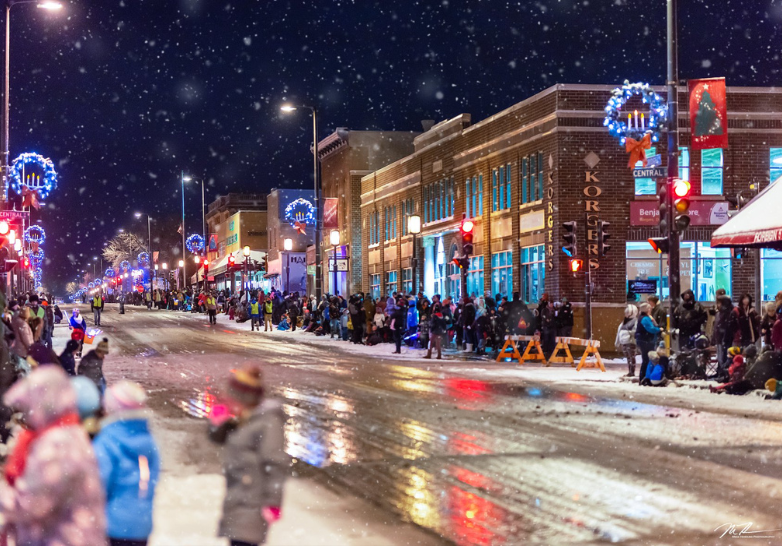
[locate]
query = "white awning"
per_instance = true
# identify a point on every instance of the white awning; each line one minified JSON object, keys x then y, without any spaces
{"x":757,"y":224}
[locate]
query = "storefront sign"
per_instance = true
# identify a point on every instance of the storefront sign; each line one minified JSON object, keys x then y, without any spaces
{"x":592,"y":208}
{"x":702,"y":213}
{"x":11,"y":215}
{"x":342,"y":264}
{"x":549,"y":214}
{"x":643,"y":286}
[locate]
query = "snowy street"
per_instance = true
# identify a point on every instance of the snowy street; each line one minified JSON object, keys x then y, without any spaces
{"x":403,"y":450}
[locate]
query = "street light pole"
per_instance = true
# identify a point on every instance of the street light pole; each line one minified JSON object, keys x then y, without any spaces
{"x":4,"y":133}
{"x":334,"y":240}
{"x":318,"y":204}
{"x":674,"y":281}
{"x":183,"y":178}
{"x":414,"y":227}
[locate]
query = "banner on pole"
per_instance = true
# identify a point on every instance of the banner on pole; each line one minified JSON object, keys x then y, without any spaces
{"x":708,"y":114}
{"x":330,"y":210}
{"x":213,"y":242}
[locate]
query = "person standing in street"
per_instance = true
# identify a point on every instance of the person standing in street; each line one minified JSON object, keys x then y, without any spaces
{"x":268,"y":309}
{"x":658,"y":312}
{"x":255,"y":315}
{"x":96,"y":304}
{"x":250,"y":426}
{"x":437,"y":329}
{"x":211,"y":309}
{"x":625,"y":338}
{"x":129,"y":465}
{"x":399,"y":323}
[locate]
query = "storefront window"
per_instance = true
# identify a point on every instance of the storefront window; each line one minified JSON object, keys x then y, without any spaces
{"x":439,"y":268}
{"x":374,"y":285}
{"x":684,"y":162}
{"x":703,"y":269}
{"x":771,"y":273}
{"x":775,"y":164}
{"x":407,"y":280}
{"x":533,"y":273}
{"x":502,"y":273}
{"x":454,"y":276}
{"x":711,"y":171}
{"x":475,"y":276}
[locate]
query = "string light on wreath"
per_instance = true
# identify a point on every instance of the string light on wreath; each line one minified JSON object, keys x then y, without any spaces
{"x":195,"y":243}
{"x":41,"y":185}
{"x":34,"y":234}
{"x":637,"y":133}
{"x":143,"y":259}
{"x":36,"y":255}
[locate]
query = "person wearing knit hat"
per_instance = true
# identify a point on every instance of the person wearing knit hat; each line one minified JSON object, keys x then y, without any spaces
{"x":91,"y":366}
{"x":129,"y":463}
{"x":254,"y":460}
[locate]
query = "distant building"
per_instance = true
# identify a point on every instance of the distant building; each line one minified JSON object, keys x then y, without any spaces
{"x":292,"y":224}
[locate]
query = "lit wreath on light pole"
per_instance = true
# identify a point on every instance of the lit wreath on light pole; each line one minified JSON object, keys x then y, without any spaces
{"x":42,"y":186}
{"x":195,"y":243}
{"x":143,"y":259}
{"x":34,"y":234}
{"x":635,"y":134}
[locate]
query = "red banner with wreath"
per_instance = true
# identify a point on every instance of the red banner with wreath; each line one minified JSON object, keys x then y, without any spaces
{"x":708,"y":114}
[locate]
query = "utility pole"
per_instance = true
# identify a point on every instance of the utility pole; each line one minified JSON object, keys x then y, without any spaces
{"x":674,"y":265}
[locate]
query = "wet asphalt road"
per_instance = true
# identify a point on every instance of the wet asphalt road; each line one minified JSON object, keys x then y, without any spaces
{"x":475,"y":462}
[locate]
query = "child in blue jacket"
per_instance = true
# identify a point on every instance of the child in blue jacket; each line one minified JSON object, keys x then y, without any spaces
{"x":129,"y":464}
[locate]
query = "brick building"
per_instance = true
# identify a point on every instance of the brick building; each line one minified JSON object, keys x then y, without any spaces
{"x":345,"y":156}
{"x":524,"y":171}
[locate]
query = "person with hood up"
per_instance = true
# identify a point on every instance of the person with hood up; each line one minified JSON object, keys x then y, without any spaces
{"x":23,"y":335}
{"x":91,"y":366}
{"x":747,"y":322}
{"x":625,"y":337}
{"x":129,"y":464}
{"x":724,"y":331}
{"x":251,"y":427}
{"x":52,"y":493}
{"x":564,"y":320}
{"x":691,"y":318}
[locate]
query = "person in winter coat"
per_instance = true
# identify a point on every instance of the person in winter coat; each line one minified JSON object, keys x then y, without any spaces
{"x":546,"y":325}
{"x":437,"y":331}
{"x":767,"y":323}
{"x":23,"y":335}
{"x":466,"y":320}
{"x":399,"y":323}
{"x":96,"y":305}
{"x":658,"y":312}
{"x":724,"y":331}
{"x":646,"y":335}
{"x":91,"y":366}
{"x":564,"y":319}
{"x":691,"y":318}
{"x":293,"y":312}
{"x":747,"y":322}
{"x":625,"y":338}
{"x":129,"y":464}
{"x":52,"y":492}
{"x":251,"y":428}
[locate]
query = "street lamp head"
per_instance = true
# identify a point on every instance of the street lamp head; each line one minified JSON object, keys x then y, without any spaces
{"x":50,"y":6}
{"x":197,"y":259}
{"x":165,"y":265}
{"x":334,"y":237}
{"x":287,"y":244}
{"x":187,"y":178}
{"x":155,"y":267}
{"x":181,"y":263}
{"x":287,"y":108}
{"x":138,"y":214}
{"x":414,"y":224}
{"x":246,"y":251}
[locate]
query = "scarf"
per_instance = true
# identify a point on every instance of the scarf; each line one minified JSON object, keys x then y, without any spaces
{"x":17,"y":460}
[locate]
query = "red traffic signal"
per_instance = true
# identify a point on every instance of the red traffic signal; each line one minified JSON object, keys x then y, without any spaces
{"x":681,"y":188}
{"x":231,"y":261}
{"x":659,"y":244}
{"x":576,"y":265}
{"x":26,"y":263}
{"x":467,"y":226}
{"x":4,"y":228}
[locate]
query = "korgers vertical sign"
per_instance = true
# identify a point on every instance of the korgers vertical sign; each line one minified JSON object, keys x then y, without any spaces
{"x":592,"y":192}
{"x":550,"y":213}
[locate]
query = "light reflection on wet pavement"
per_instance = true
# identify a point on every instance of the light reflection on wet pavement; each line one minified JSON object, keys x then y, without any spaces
{"x":490,"y":463}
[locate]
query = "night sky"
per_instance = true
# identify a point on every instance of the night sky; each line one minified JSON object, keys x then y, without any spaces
{"x":122,"y":95}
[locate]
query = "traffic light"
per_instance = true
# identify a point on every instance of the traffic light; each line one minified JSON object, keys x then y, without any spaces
{"x":571,"y":240}
{"x":681,"y":204}
{"x":659,"y":244}
{"x":462,"y":262}
{"x":662,"y":194}
{"x":231,"y":261}
{"x":602,"y":237}
{"x":26,"y":263}
{"x":576,"y":265}
{"x":467,"y":229}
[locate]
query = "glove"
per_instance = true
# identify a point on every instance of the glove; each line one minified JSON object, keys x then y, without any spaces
{"x":271,"y":514}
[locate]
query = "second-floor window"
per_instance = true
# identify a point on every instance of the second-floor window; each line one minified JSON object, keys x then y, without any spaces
{"x":711,"y":171}
{"x":473,"y":205}
{"x":501,"y":188}
{"x":438,"y":200}
{"x":408,"y":210}
{"x":390,"y":223}
{"x":532,"y":180}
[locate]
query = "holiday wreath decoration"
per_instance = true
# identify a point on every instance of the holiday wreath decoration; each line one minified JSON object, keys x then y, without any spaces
{"x":637,"y":134}
{"x":300,"y":210}
{"x":124,"y":265}
{"x":143,"y":259}
{"x":41,"y":186}
{"x":34,"y":235}
{"x":195,"y":243}
{"x":110,"y":273}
